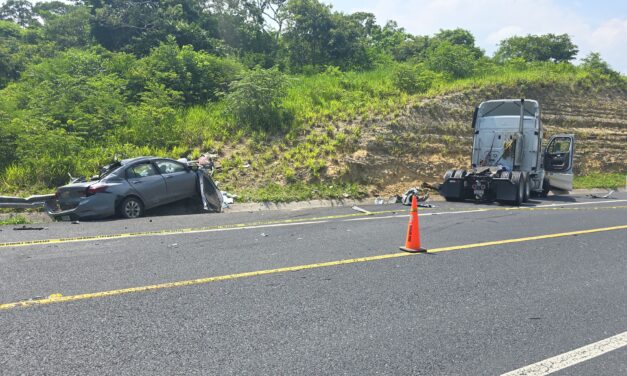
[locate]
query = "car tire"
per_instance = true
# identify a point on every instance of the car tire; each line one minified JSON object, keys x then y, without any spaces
{"x":131,"y":207}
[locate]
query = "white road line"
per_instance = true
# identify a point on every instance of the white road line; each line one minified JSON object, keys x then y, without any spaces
{"x":423,"y":214}
{"x":576,"y":203}
{"x":571,"y":358}
{"x":407,"y":215}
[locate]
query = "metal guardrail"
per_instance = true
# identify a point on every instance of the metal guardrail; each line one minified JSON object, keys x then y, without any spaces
{"x":25,"y":203}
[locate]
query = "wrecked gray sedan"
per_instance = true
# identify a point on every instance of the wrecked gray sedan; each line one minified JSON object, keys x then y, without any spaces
{"x":129,"y":187}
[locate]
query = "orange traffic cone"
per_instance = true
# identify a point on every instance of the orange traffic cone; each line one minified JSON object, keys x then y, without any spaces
{"x":412,"y":244}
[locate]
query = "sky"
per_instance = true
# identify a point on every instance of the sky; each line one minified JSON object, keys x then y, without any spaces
{"x":594,"y":26}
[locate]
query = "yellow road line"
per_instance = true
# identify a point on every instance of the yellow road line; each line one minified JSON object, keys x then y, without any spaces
{"x":58,"y":298}
{"x":243,"y":226}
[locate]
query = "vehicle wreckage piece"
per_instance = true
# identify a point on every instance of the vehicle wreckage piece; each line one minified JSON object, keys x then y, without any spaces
{"x":508,"y":164}
{"x":25,"y":203}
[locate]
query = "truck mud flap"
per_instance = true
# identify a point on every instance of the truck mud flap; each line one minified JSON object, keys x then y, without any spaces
{"x":505,"y":190}
{"x":453,"y":189}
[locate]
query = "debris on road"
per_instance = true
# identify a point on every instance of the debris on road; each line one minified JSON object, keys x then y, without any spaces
{"x":422,"y":195}
{"x":28,"y":228}
{"x":264,"y":235}
{"x":357,"y":208}
{"x":227,"y":199}
{"x":608,"y":195}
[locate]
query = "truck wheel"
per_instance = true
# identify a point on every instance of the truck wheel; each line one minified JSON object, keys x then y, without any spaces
{"x":526,"y":188}
{"x":449,"y":174}
{"x":545,"y":188}
{"x":518,"y":180}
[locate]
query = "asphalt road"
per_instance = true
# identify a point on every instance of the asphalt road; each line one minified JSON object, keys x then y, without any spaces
{"x":328,"y":292}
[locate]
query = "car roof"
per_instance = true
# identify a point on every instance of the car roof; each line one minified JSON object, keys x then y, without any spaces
{"x":125,"y":162}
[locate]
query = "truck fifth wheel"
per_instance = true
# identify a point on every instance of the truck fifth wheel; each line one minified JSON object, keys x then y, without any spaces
{"x":508,"y":164}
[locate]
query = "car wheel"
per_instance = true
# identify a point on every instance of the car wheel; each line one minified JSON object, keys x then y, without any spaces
{"x":131,"y":207}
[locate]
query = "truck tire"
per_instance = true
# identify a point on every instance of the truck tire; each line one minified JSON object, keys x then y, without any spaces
{"x":526,"y":187}
{"x":518,"y":179}
{"x":545,"y":188}
{"x":449,"y":174}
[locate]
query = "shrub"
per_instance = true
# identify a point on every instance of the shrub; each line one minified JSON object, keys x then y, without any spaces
{"x":413,"y":79}
{"x":255,"y":101}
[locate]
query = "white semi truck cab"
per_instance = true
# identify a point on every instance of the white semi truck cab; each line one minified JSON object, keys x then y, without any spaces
{"x":508,"y":163}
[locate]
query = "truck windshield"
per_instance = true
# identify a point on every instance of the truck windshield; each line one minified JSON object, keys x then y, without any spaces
{"x":508,"y":108}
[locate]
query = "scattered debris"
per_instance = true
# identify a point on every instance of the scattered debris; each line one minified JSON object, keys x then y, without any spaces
{"x":608,"y":195}
{"x":75,"y":222}
{"x":264,"y":234}
{"x":227,"y":199}
{"x":422,"y":195}
{"x":173,"y":245}
{"x":378,"y":201}
{"x":357,"y":208}
{"x":346,"y":195}
{"x":26,"y":228}
{"x":395,"y":199}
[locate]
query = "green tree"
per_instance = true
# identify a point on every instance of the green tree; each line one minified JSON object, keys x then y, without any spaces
{"x":316,"y":36}
{"x":197,"y":75}
{"x":151,"y":121}
{"x":20,"y":12}
{"x":453,"y":59}
{"x":255,"y":101}
{"x":458,"y":37}
{"x":67,"y":26}
{"x":73,"y":92}
{"x":19,"y":47}
{"x":594,"y":63}
{"x":139,"y":25}
{"x":547,"y":47}
{"x":413,"y":79}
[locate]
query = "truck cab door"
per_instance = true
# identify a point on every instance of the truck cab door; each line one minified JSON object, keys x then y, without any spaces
{"x":558,"y":161}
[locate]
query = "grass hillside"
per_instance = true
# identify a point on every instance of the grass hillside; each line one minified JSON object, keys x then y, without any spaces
{"x":315,"y":104}
{"x":358,"y":133}
{"x":364,"y":136}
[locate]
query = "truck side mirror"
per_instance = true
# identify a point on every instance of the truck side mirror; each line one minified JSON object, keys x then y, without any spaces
{"x":474,"y":117}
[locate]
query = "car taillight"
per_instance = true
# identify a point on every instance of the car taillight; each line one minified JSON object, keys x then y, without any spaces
{"x":96,"y":188}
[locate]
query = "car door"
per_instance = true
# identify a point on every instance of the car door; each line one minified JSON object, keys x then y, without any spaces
{"x":147,"y":182}
{"x":558,"y":161}
{"x":180,"y":181}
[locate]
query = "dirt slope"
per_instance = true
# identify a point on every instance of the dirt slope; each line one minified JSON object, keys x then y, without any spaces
{"x":433,"y":135}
